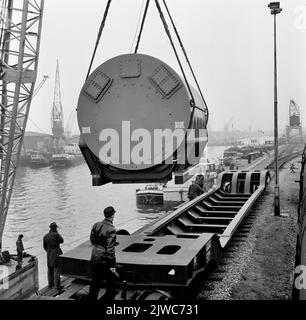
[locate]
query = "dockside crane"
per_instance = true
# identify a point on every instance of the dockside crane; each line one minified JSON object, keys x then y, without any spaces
{"x":20,"y":34}
{"x":295,"y":122}
{"x":57,"y":115}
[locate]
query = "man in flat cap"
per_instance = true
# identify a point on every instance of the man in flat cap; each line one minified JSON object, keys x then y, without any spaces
{"x":51,"y":243}
{"x":103,"y":258}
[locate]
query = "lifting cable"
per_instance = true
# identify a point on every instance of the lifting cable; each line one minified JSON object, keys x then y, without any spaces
{"x":99,"y":36}
{"x":142,"y":25}
{"x":137,"y":26}
{"x":186,"y":57}
{"x":192,"y":102}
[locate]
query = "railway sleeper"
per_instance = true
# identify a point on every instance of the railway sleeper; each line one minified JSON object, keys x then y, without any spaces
{"x":241,"y":235}
{"x":215,"y":276}
{"x":244,"y":231}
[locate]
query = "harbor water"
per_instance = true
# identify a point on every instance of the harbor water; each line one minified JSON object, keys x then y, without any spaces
{"x":66,"y":196}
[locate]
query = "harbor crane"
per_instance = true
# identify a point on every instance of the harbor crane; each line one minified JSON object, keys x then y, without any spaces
{"x":57,"y":115}
{"x":294,"y":120}
{"x":20,"y":35}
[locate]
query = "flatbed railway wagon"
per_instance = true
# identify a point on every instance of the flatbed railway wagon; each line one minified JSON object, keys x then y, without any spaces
{"x":166,"y":257}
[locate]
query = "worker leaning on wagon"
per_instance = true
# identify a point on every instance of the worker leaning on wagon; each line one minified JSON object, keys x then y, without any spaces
{"x":194,"y":190}
{"x":103,"y":258}
{"x":51,"y":243}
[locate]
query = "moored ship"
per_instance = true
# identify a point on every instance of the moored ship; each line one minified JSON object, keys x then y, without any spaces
{"x":70,"y":157}
{"x":152,"y":194}
{"x":65,"y":160}
{"x":38,"y":160}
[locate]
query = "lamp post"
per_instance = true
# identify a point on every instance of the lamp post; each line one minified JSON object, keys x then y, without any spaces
{"x":275,"y":9}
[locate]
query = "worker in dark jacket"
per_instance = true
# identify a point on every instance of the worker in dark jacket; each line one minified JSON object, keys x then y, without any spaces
{"x":51,"y":242}
{"x":20,"y":249}
{"x":194,"y":190}
{"x":200,"y":181}
{"x":103,"y":258}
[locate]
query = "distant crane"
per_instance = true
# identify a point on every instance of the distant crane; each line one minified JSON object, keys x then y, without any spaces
{"x":20,"y":34}
{"x":294,"y":120}
{"x":57,"y":115}
{"x":228,"y":123}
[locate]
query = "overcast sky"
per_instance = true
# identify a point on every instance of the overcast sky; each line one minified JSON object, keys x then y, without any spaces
{"x":229,"y":43}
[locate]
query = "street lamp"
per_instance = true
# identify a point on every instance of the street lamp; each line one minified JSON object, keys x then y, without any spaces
{"x":275,"y":9}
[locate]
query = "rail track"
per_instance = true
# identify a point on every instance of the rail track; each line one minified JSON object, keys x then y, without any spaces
{"x":231,"y":261}
{"x":230,"y":258}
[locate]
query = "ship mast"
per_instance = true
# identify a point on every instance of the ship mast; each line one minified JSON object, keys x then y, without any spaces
{"x":57,"y":115}
{"x":20,"y":33}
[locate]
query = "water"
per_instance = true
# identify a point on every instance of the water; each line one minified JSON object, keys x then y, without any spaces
{"x":66,"y":196}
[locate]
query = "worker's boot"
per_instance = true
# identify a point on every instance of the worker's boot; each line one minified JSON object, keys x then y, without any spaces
{"x":109,"y":295}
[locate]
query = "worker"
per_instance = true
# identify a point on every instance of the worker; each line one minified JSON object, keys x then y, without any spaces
{"x":20,"y":249}
{"x":194,"y":190}
{"x":103,"y":258}
{"x":51,"y":243}
{"x":200,"y":181}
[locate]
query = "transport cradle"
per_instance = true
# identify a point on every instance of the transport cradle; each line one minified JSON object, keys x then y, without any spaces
{"x":173,"y":250}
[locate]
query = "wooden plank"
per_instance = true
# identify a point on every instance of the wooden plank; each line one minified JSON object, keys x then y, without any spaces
{"x":53,"y":291}
{"x":74,"y":288}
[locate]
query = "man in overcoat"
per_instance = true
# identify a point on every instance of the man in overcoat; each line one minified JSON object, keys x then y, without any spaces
{"x":51,"y":243}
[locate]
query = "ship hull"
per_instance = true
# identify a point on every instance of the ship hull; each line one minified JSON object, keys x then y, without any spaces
{"x":39,"y":160}
{"x":66,"y":162}
{"x":145,"y":197}
{"x":39,"y":164}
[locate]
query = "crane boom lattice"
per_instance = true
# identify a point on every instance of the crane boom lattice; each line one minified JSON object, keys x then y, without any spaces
{"x":20,"y":33}
{"x":57,"y":115}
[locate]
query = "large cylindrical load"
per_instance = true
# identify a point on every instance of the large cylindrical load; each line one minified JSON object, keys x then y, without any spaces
{"x":133,"y":113}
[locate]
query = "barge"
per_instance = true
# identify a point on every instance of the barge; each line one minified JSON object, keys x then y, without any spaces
{"x":39,"y":160}
{"x":71,"y":156}
{"x":65,"y":160}
{"x":152,"y":194}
